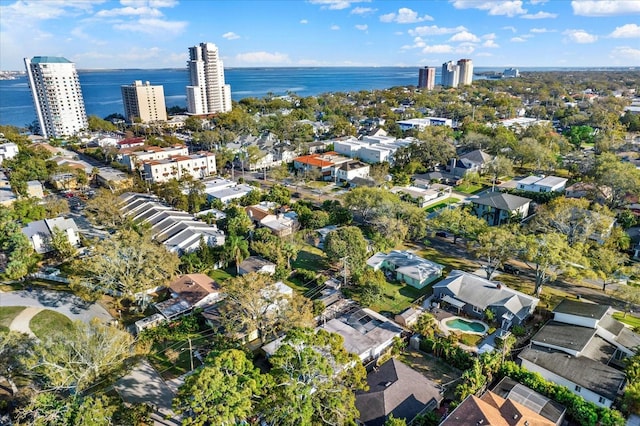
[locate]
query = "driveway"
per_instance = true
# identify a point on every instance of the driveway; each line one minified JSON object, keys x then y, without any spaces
{"x":65,"y":303}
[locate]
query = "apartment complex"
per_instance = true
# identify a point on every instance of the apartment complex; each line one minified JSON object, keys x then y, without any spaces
{"x":143,"y":102}
{"x":197,"y":165}
{"x":57,"y":96}
{"x":456,"y":74}
{"x":427,"y":78}
{"x":208,"y":92}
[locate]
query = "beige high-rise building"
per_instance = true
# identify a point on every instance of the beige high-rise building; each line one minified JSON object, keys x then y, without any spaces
{"x":144,"y":102}
{"x":465,"y":76}
{"x":427,"y":78}
{"x":208,"y":92}
{"x":57,"y":96}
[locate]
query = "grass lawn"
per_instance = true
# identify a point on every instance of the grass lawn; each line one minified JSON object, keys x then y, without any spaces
{"x":468,"y":188}
{"x":441,"y":204}
{"x":49,"y":285}
{"x":49,"y":322}
{"x":171,"y":358}
{"x":7,"y":314}
{"x":432,"y":368}
{"x":449,"y":261}
{"x":221,"y":275}
{"x":311,"y":258}
{"x":397,"y":297}
{"x":469,"y":339}
{"x":630,"y":320}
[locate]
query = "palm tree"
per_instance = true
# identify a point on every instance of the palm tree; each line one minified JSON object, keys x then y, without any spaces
{"x":237,"y":248}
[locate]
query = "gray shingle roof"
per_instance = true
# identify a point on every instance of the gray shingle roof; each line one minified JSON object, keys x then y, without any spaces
{"x":581,"y":309}
{"x":501,"y":201}
{"x":571,"y":337}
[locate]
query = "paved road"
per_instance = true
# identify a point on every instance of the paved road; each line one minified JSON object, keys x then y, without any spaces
{"x":65,"y":303}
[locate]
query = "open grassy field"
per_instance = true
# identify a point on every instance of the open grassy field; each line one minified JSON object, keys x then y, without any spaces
{"x":311,"y":258}
{"x":468,"y":188}
{"x":397,"y":297}
{"x":7,"y":314}
{"x":441,"y":204}
{"x":47,"y":322}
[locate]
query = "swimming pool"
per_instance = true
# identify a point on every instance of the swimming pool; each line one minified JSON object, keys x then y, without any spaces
{"x":466,"y":326}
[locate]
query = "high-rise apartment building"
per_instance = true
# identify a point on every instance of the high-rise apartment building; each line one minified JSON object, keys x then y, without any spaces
{"x":57,"y":96}
{"x":450,"y":74}
{"x":465,"y":77}
{"x":427,"y":78}
{"x":144,"y":102}
{"x":208,"y":92}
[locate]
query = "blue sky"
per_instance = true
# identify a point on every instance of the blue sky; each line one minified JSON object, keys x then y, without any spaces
{"x":156,"y":33}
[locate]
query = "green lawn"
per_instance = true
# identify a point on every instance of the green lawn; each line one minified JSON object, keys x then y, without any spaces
{"x":49,"y":322}
{"x":49,"y":285}
{"x":630,"y":320}
{"x":311,"y":258}
{"x":441,"y":204}
{"x":7,"y":314}
{"x":468,"y":188}
{"x":469,"y":339}
{"x":172,"y":359}
{"x":220,"y":275}
{"x":397,"y":297}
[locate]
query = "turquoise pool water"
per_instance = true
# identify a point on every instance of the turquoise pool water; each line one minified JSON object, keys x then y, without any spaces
{"x":466,"y":326}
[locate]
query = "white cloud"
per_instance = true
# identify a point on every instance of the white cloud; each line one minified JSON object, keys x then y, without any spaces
{"x":304,"y":21}
{"x":22,"y":12}
{"x":129,"y":11}
{"x":435,"y":30}
{"x":538,"y":1}
{"x":150,"y":3}
{"x":626,"y":31}
{"x":230,"y":36}
{"x":405,"y":16}
{"x":362,"y":27}
{"x":362,"y":10}
{"x":465,"y":49}
{"x":490,"y":36}
{"x":465,"y":36}
{"x":438,"y":48}
{"x":580,"y":36}
{"x":334,"y":27}
{"x":541,"y":30}
{"x":418,"y":43}
{"x":335,"y":4}
{"x":628,"y":54}
{"x":540,"y":15}
{"x":509,"y":8}
{"x":263,"y":58}
{"x":510,"y":28}
{"x":490,"y":44}
{"x":153,"y":26}
{"x":518,"y":39}
{"x":604,"y":7}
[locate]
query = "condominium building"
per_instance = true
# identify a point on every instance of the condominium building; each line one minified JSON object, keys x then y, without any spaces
{"x":143,"y":102}
{"x":208,"y":92}
{"x":465,"y":76}
{"x":427,"y":78}
{"x":450,"y":74}
{"x":197,"y":165}
{"x":57,"y":96}
{"x":134,"y":157}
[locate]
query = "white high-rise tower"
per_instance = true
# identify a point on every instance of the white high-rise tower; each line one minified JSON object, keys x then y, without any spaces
{"x":208,"y":92}
{"x":466,"y":71}
{"x":57,"y":96}
{"x":450,"y":74}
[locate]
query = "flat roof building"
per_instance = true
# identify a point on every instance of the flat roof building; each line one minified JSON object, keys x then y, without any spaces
{"x":143,"y":102}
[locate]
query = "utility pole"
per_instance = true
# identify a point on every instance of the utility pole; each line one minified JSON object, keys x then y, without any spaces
{"x":190,"y":353}
{"x":344,"y":270}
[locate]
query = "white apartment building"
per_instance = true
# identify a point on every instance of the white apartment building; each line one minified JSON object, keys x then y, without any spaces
{"x":198,"y":166}
{"x":144,"y":102}
{"x":208,"y":92}
{"x":465,"y":76}
{"x":57,"y":96}
{"x":7,"y":151}
{"x":133,"y":159}
{"x":450,"y":74}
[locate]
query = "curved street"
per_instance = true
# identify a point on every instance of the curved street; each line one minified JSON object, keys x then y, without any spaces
{"x":65,"y":303}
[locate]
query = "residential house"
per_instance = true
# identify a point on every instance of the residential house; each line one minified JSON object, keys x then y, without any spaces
{"x":366,"y":333}
{"x":582,"y":348}
{"x":498,"y":208}
{"x":34,"y":189}
{"x":257,"y":264}
{"x":40,"y":232}
{"x":407,"y":267}
{"x":471,"y":162}
{"x":226,"y":190}
{"x":408,"y":317}
{"x":324,"y":163}
{"x":424,"y":180}
{"x":473,"y":295}
{"x":114,"y":179}
{"x":8,"y":150}
{"x":493,"y":410}
{"x":423,"y":196}
{"x":189,"y":292}
{"x":133,"y":158}
{"x":7,"y":197}
{"x":131,"y":143}
{"x":351,"y":170}
{"x":321,"y":235}
{"x":542,"y":184}
{"x":266,"y":214}
{"x":396,"y":389}
{"x":180,"y":232}
{"x":422,"y":123}
{"x":600,"y":194}
{"x":511,"y":390}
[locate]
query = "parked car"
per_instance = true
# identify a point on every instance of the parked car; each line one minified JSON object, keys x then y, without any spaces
{"x":441,"y":234}
{"x":510,"y":269}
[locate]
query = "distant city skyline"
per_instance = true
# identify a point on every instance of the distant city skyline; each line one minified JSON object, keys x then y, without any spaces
{"x":98,"y":34}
